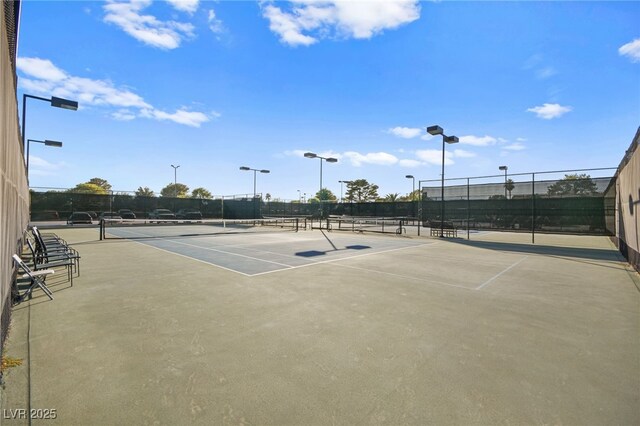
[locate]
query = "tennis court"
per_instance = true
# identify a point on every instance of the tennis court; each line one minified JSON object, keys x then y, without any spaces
{"x":325,"y":327}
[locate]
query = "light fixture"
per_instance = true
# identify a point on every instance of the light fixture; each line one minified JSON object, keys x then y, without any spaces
{"x":46,"y":142}
{"x":437,"y":130}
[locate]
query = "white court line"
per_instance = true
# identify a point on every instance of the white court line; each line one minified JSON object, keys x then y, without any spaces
{"x":191,"y":258}
{"x":228,"y":252}
{"x":428,"y":281}
{"x":497,"y":275}
{"x":285,"y":266}
{"x":312,"y":263}
{"x":211,"y":249}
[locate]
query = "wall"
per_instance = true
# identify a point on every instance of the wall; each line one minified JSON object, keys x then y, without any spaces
{"x":628,"y":204}
{"x":14,"y":192}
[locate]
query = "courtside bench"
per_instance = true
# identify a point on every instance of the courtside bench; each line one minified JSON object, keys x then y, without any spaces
{"x":447,"y":229}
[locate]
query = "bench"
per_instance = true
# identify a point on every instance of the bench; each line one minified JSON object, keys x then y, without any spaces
{"x":446,"y":229}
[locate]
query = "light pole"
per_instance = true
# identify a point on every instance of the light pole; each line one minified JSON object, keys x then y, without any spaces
{"x":341,"y":191}
{"x":55,"y":102}
{"x":175,"y":181}
{"x":328,"y":160}
{"x":46,"y":142}
{"x":437,"y":130}
{"x":254,"y":177}
{"x":505,"y":168}
{"x":299,"y":196}
{"x":255,"y":171}
{"x":413,"y":190}
{"x":414,"y":185}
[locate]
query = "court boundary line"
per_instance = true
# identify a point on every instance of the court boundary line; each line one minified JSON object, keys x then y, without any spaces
{"x":441,"y":283}
{"x":285,"y":266}
{"x":481,"y":286}
{"x":312,"y":263}
{"x":191,"y":258}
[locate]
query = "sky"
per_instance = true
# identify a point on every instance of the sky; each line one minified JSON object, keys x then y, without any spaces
{"x":211,"y":86}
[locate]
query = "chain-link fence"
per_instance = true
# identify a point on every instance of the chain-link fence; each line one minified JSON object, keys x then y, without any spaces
{"x":574,"y":202}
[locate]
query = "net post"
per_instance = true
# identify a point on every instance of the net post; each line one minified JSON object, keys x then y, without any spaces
{"x":101,"y":229}
{"x":297,"y":224}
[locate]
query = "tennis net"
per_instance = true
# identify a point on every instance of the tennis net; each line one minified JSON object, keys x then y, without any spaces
{"x":392,"y":225}
{"x":176,"y":228}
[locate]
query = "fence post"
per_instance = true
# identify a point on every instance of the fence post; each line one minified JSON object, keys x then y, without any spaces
{"x":533,"y":208}
{"x":468,"y":209}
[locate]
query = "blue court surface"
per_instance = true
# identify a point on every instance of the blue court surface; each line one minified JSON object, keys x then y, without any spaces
{"x":266,"y":252}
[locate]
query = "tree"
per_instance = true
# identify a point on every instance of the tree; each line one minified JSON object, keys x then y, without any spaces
{"x":89,"y":188}
{"x":201,"y":193}
{"x":179,"y":190}
{"x":573,"y":184}
{"x":360,"y":190}
{"x":267,"y":197}
{"x":509,"y":185}
{"x":144,"y":192}
{"x":391,"y":197}
{"x":325,"y":195}
{"x":102,"y":183}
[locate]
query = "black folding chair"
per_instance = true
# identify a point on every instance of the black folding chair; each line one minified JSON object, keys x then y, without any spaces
{"x":36,"y":279}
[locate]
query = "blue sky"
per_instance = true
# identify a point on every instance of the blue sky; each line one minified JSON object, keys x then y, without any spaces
{"x":215,"y":85}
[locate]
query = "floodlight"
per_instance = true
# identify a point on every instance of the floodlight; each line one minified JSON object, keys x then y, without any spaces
{"x":435,"y":130}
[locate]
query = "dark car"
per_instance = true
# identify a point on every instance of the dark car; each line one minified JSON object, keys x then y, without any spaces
{"x":161,"y":214}
{"x":45,"y":215}
{"x":112,"y":216}
{"x":79,"y":217}
{"x":189,"y":214}
{"x":126,"y":214}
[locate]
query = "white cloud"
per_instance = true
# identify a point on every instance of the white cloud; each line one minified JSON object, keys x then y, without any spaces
{"x":405,"y":132}
{"x":410,"y":163}
{"x":631,"y":50}
{"x":434,"y":156}
{"x":123,"y":115}
{"x":181,"y":116}
{"x":147,"y":28}
{"x":379,"y":158}
{"x":42,"y":69}
{"x":549,"y":111}
{"x":461,"y":153}
{"x":478,"y":140}
{"x":189,"y":6}
{"x":517,"y":146}
{"x":545,"y":72}
{"x":41,"y":167}
{"x":215,"y":24}
{"x":521,"y":139}
{"x":427,"y":137}
{"x":337,"y":18}
{"x":100,"y":93}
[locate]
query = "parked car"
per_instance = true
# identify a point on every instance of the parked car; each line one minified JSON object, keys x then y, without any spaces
{"x":93,"y":215}
{"x":113,"y":216}
{"x":79,"y":217}
{"x":189,"y":214}
{"x":45,"y":215}
{"x":126,"y":214}
{"x":161,"y":214}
